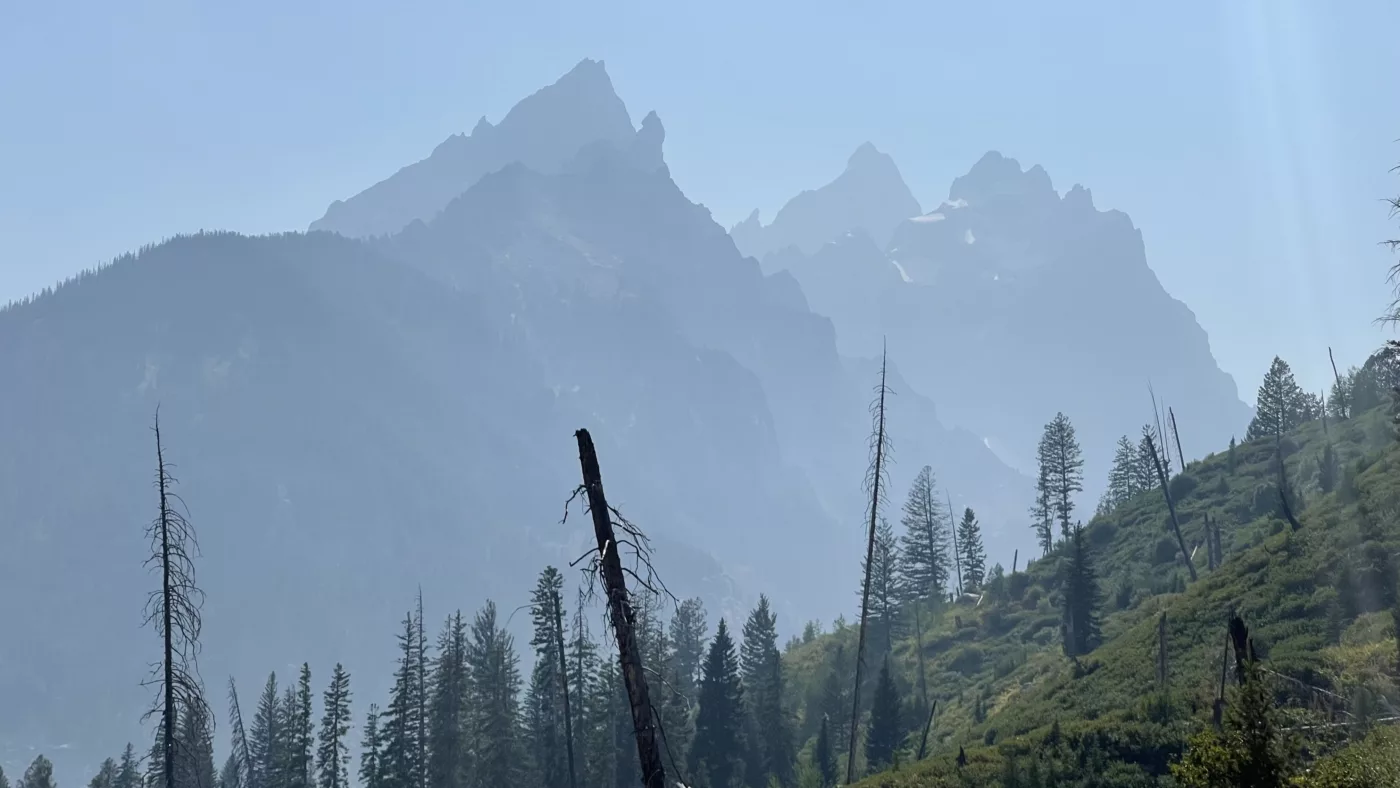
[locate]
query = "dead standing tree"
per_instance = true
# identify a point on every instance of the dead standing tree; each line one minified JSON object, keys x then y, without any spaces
{"x":879,"y":451}
{"x":243,"y":756}
{"x":174,"y":611}
{"x":564,"y":686}
{"x":1171,"y":507}
{"x":606,"y":565}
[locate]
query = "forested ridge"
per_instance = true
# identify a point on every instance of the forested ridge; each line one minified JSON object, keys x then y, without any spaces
{"x":1094,"y":663}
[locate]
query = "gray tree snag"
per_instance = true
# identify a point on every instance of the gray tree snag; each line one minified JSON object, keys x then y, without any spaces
{"x":874,"y":477}
{"x":953,"y":529}
{"x":174,"y":611}
{"x":564,"y":682}
{"x":1180,"y":455}
{"x":1171,"y":507}
{"x":243,"y":756}
{"x":607,"y":566}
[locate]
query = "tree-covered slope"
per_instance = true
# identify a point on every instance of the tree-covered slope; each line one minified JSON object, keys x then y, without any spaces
{"x":1317,"y":602}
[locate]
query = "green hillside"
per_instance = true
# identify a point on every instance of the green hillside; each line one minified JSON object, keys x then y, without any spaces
{"x":1317,"y":602}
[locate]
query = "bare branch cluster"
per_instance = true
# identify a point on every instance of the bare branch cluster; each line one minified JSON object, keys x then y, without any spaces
{"x":174,"y":611}
{"x":642,"y":570}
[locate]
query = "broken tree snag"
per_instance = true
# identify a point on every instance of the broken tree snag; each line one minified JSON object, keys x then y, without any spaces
{"x":1180,"y":455}
{"x":1217,"y":713}
{"x":1171,"y":508}
{"x":564,"y":682}
{"x":622,"y":616}
{"x":874,"y":477}
{"x":928,"y":725}
{"x":1337,"y":376}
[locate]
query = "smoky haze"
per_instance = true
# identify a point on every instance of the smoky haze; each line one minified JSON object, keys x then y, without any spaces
{"x":376,"y":404}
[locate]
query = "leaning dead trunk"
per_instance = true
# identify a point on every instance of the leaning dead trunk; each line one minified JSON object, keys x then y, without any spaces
{"x":564,"y":682}
{"x":243,"y":755}
{"x":1180,"y":455}
{"x":928,"y":725}
{"x":953,"y":529}
{"x":621,"y":616}
{"x":876,"y":476}
{"x":1171,"y":508}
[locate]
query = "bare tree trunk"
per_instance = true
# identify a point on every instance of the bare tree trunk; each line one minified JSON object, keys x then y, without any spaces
{"x":877,"y":470}
{"x":953,"y":529}
{"x":1171,"y":508}
{"x":564,"y":681}
{"x":1015,"y":556}
{"x":622,"y":616}
{"x":928,"y":725}
{"x":244,"y":754}
{"x":1335,"y":375}
{"x":1180,"y":455}
{"x":1217,"y":714}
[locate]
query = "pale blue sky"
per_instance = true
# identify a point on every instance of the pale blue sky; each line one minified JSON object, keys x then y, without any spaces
{"x":1249,"y":139}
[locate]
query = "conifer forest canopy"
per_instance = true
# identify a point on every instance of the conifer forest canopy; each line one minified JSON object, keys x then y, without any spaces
{"x":517,"y":468}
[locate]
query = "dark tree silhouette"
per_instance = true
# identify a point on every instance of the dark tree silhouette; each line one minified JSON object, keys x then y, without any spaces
{"x":174,"y":611}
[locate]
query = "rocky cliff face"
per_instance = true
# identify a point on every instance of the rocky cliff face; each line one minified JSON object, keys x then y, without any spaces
{"x":1023,"y":302}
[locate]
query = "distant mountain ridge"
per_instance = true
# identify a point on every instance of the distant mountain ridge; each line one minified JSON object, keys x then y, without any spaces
{"x":528,"y":134}
{"x":869,"y":194}
{"x":1022,"y":302}
{"x":354,"y":417}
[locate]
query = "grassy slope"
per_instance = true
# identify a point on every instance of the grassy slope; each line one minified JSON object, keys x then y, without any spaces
{"x":1007,"y":651}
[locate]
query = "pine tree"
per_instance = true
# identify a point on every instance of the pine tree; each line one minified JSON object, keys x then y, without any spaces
{"x":1042,"y":512}
{"x":420,"y":718}
{"x":265,"y":738}
{"x":688,"y":634}
{"x":1123,"y":481}
{"x":716,"y":759}
{"x":372,"y":751}
{"x":128,"y":775}
{"x":447,"y":708}
{"x":303,"y":730}
{"x":1062,"y":467}
{"x":106,"y":776}
{"x":835,"y":703}
{"x":231,"y":776}
{"x":494,"y":702}
{"x":1144,"y":471}
{"x":1280,"y":405}
{"x":974,"y":557}
{"x":1339,"y":401}
{"x":885,"y":591}
{"x":4,"y":781}
{"x":194,"y":759}
{"x":333,"y":756}
{"x":1230,"y":455}
{"x":1081,"y":600}
{"x":544,"y":701}
{"x":924,"y":567}
{"x":823,"y":754}
{"x":762,"y":674}
{"x":399,"y":762}
{"x":38,"y":775}
{"x":886,"y":730}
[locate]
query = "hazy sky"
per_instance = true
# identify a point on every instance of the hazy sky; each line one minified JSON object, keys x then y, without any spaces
{"x":1249,"y":139}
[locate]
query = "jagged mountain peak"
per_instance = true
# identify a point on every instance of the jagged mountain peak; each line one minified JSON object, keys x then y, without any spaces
{"x":870,"y":194}
{"x":544,"y":131}
{"x":995,"y":175}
